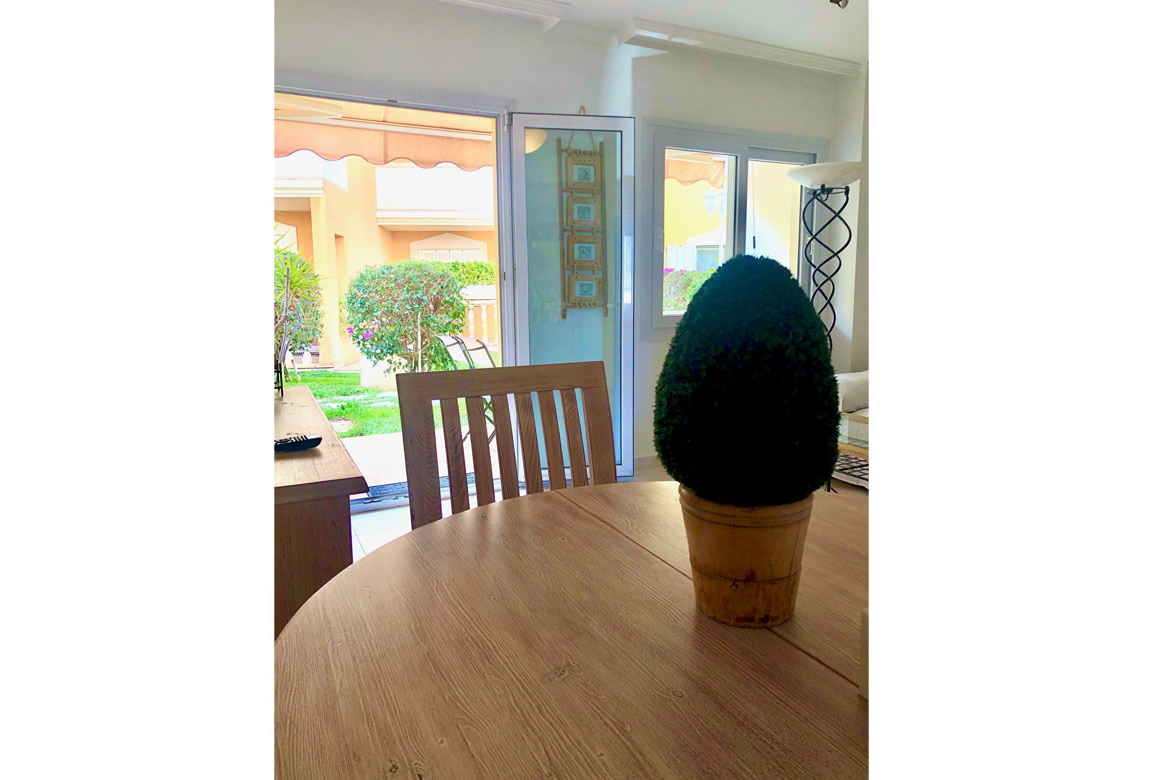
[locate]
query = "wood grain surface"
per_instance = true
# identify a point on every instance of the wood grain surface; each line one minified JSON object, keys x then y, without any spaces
{"x":312,"y":543}
{"x":530,"y":639}
{"x":327,"y":470}
{"x":834,"y":582}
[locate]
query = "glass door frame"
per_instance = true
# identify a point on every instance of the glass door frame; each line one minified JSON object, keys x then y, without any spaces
{"x":743,"y":145}
{"x":517,"y":281}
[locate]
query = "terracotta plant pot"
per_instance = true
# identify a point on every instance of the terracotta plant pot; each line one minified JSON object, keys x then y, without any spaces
{"x":745,"y":560}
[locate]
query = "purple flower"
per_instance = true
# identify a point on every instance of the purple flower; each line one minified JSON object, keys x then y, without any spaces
{"x":349,"y":331}
{"x":369,"y":334}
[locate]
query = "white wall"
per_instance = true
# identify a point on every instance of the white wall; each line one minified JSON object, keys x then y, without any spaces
{"x":861,"y":284}
{"x":847,"y":142}
{"x":421,"y":46}
{"x":435,"y":48}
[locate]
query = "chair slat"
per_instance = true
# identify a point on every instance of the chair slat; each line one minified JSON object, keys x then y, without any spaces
{"x":417,"y":393}
{"x":529,"y":445}
{"x":505,"y":448}
{"x":599,"y":425}
{"x":552,"y":440}
{"x":481,"y":456}
{"x":422,"y":467}
{"x":573,"y":437}
{"x":456,"y":467}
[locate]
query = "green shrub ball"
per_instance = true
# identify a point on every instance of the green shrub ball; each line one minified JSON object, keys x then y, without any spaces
{"x":745,"y":411}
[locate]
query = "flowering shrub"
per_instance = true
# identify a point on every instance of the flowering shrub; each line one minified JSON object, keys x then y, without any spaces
{"x":396,"y":310}
{"x":679,"y":286}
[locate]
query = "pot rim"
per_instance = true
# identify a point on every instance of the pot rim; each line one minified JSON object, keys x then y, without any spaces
{"x":732,"y":514}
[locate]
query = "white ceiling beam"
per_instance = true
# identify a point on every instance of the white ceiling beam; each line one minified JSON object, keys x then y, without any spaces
{"x":545,"y":11}
{"x":584,"y":32}
{"x":646,"y":32}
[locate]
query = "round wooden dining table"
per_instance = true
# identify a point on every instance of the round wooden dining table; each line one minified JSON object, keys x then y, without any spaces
{"x":556,"y":636}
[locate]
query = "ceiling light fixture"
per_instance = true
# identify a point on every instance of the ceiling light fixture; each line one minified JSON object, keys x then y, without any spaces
{"x":840,"y":3}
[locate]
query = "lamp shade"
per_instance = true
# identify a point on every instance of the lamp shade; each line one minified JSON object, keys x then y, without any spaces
{"x":834,"y":174}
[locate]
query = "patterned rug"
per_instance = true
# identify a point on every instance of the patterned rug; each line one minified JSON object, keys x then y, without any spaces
{"x":853,"y":470}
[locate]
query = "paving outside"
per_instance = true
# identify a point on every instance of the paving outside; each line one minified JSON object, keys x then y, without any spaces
{"x":381,"y":460}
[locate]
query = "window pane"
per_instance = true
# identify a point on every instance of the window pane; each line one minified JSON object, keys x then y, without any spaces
{"x":773,"y":213}
{"x":441,"y":255}
{"x":456,"y":255}
{"x":698,"y":222}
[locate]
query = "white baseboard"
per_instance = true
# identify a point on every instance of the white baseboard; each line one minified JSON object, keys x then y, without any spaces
{"x":643,"y":462}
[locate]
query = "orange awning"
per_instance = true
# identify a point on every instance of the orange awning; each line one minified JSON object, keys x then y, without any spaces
{"x":691,"y":171}
{"x":687,"y":167}
{"x":333,"y":129}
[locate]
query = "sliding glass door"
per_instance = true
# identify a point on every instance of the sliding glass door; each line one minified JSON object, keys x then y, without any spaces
{"x":573,"y":237}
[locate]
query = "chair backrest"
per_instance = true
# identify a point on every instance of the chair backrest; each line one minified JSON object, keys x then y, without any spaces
{"x":417,"y":393}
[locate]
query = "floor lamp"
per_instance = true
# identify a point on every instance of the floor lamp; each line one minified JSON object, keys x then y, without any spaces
{"x":824,"y":181}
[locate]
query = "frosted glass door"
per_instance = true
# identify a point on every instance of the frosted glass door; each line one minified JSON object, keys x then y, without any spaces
{"x":572,"y":187}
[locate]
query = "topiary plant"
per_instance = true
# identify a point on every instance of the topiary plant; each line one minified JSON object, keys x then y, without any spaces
{"x":745,"y":409}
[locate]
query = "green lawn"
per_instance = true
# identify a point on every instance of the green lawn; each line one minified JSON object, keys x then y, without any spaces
{"x":342,"y":397}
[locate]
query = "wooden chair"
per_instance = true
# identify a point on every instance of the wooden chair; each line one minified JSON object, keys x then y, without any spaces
{"x":417,"y":392}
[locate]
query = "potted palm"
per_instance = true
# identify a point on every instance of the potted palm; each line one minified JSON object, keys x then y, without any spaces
{"x":745,"y":419}
{"x":296,"y":304}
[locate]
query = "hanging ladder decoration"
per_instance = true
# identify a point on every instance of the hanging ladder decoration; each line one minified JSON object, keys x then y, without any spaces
{"x":581,"y":189}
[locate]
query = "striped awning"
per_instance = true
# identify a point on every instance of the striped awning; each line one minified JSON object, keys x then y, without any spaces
{"x":334,"y":129}
{"x":688,"y":167}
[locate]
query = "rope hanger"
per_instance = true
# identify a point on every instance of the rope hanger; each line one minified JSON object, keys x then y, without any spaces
{"x":592,"y":142}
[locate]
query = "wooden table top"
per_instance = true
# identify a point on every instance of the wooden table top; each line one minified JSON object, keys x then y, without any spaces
{"x":556,"y":635}
{"x":327,"y":470}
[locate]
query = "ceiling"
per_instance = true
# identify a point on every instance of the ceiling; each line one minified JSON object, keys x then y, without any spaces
{"x":813,"y":26}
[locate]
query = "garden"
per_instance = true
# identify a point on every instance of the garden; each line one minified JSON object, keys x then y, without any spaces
{"x":394,"y":312}
{"x":679,"y":286}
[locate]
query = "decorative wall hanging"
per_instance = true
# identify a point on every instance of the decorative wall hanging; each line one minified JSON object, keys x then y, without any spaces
{"x":581,"y":193}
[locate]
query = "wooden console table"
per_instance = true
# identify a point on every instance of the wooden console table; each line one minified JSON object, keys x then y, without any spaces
{"x":312,"y":533}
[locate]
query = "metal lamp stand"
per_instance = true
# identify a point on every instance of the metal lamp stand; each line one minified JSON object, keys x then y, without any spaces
{"x":824,"y":271}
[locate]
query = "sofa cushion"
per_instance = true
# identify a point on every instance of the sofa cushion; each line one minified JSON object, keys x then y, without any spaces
{"x":854,"y":391}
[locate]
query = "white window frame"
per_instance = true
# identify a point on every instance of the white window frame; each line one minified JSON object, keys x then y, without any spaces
{"x":743,"y":145}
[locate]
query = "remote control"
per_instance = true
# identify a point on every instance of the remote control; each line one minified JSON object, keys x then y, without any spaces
{"x":297,"y":442}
